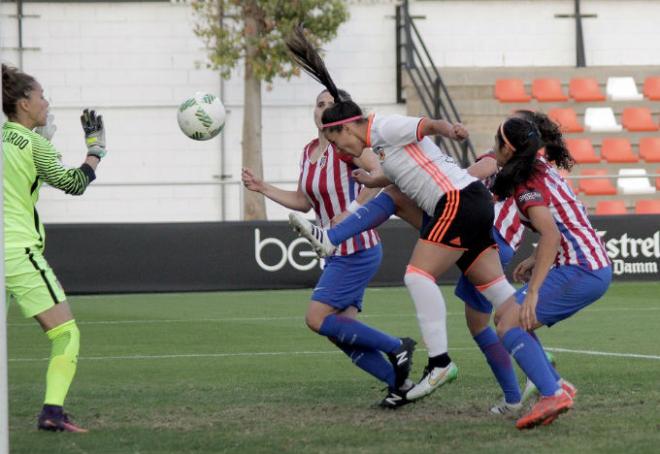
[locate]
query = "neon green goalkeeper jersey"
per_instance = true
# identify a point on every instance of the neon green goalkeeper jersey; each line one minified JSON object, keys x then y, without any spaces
{"x":30,"y":160}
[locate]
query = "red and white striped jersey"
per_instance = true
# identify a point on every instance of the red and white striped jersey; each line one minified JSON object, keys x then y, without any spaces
{"x":580,"y":244}
{"x":330,"y":187}
{"x":507,"y":221}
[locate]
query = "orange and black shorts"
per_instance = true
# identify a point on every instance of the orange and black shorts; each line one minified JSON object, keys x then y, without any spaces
{"x":463,"y":220}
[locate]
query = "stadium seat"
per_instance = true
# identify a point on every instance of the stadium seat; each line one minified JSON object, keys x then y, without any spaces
{"x":649,"y":149}
{"x":585,"y":90}
{"x":638,"y":119}
{"x":601,"y":119}
{"x":647,"y":206}
{"x":622,"y":89}
{"x":511,"y":90}
{"x":596,"y":186}
{"x":640,"y":185}
{"x":548,"y":90}
{"x":617,"y":150}
{"x":652,"y":88}
{"x":566,"y":119}
{"x":582,"y":151}
{"x":609,"y":207}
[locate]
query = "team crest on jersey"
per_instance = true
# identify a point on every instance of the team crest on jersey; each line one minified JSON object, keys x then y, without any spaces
{"x":380,"y":153}
{"x":322,"y":161}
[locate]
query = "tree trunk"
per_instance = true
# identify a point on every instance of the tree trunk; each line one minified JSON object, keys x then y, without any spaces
{"x":254,"y":207}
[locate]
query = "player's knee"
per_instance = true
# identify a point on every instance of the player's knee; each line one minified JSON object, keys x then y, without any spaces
{"x":313,"y":321}
{"x":498,"y":291}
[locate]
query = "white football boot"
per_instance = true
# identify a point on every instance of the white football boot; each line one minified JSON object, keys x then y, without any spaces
{"x":315,"y":235}
{"x":433,"y":379}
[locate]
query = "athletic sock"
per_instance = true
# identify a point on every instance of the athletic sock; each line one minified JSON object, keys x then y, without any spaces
{"x":430,"y":309}
{"x":370,"y":215}
{"x":65,"y":340}
{"x":354,"y":333}
{"x":531,"y":358}
{"x":442,"y":361}
{"x":371,"y":361}
{"x":500,"y":363}
{"x":552,"y":368}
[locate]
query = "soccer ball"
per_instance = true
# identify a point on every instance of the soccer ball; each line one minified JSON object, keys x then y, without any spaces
{"x":201,"y":117}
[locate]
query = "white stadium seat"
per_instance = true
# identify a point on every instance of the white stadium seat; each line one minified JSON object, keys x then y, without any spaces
{"x":640,"y":185}
{"x":622,"y":89}
{"x":601,"y":119}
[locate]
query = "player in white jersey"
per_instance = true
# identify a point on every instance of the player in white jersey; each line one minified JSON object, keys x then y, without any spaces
{"x":459,"y":206}
{"x":327,"y":186}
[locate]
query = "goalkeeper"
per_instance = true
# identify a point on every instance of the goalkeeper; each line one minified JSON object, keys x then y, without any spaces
{"x":30,"y":160}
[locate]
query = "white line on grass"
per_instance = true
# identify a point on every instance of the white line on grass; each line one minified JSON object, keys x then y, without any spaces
{"x":323,"y":352}
{"x":285,"y":318}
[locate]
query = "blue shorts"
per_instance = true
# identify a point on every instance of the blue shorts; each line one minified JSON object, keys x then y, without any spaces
{"x":345,"y":278}
{"x":466,"y":291}
{"x":566,"y":290}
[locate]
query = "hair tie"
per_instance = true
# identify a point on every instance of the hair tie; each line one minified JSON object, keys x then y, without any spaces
{"x":341,"y":122}
{"x":504,"y":137}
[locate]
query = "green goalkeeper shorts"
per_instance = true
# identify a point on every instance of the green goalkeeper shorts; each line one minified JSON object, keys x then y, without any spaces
{"x":31,"y":282}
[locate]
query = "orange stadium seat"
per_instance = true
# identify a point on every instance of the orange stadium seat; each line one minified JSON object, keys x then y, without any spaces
{"x":649,"y":149}
{"x":566,"y":119}
{"x":596,"y":186}
{"x":611,"y":207}
{"x":617,"y":150}
{"x":585,"y":90}
{"x":582,"y":151}
{"x":548,"y":90}
{"x":647,"y":206}
{"x":511,"y":90}
{"x":638,"y":119}
{"x":652,"y":88}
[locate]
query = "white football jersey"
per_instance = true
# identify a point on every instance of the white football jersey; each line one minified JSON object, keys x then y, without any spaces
{"x":419,"y":168}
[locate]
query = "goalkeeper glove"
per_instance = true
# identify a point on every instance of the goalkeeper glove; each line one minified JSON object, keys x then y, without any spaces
{"x":94,"y":133}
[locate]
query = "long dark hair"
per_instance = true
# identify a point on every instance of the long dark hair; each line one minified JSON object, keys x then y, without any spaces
{"x":525,"y":139}
{"x":16,"y":85}
{"x":555,"y":147}
{"x":304,"y":54}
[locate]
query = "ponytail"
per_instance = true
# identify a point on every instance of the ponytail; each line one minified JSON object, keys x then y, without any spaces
{"x":524,"y":139}
{"x":551,"y":136}
{"x":304,"y":54}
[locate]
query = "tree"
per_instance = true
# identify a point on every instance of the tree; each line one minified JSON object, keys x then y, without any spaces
{"x":253,"y":32}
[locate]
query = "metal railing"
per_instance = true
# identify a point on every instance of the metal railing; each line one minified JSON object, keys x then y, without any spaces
{"x":413,"y":57}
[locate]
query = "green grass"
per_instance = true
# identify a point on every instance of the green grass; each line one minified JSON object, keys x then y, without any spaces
{"x":229,"y":398}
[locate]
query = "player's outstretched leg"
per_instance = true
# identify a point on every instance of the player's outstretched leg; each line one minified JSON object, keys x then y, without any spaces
{"x":315,"y":235}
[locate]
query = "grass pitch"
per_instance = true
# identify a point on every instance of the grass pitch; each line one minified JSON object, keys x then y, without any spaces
{"x":240,"y":372}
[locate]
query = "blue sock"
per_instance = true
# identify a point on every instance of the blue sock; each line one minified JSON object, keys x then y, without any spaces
{"x":372,"y":214}
{"x":354,"y":333}
{"x":552,"y":368}
{"x":371,"y":361}
{"x":500,"y":363}
{"x":531,"y":358}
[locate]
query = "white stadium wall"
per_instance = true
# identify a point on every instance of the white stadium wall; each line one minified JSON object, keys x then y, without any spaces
{"x":136,"y":61}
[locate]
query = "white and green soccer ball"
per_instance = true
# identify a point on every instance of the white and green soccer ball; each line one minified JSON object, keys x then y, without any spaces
{"x":201,"y":117}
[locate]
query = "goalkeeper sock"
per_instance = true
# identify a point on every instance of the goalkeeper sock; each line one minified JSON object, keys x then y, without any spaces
{"x":372,"y":214}
{"x":65,"y":340}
